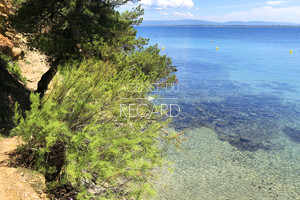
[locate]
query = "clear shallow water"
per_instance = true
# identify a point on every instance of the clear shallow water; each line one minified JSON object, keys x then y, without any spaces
{"x":248,"y":94}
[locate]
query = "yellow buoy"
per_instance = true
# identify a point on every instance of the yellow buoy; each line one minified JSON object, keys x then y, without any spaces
{"x":163,"y":48}
{"x":217,"y":48}
{"x":291,"y":51}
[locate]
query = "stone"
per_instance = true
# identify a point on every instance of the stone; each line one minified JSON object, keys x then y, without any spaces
{"x":16,"y":43}
{"x":292,"y":133}
{"x":244,"y":139}
{"x":3,"y":8}
{"x":2,"y":29}
{"x":5,"y":44}
{"x":6,"y":3}
{"x":218,"y":130}
{"x":253,"y":114}
{"x":10,"y":35}
{"x":223,"y":137}
{"x":18,"y":36}
{"x":200,"y":109}
{"x":221,"y":124}
{"x":3,"y":15}
{"x":17,"y":53}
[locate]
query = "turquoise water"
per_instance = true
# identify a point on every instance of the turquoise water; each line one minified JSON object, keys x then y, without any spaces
{"x":257,"y":57}
{"x":240,"y":105}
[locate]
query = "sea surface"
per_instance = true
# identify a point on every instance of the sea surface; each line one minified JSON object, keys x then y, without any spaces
{"x":239,"y":100}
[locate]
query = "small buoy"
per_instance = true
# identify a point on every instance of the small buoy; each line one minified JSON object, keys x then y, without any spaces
{"x":291,"y":51}
{"x":163,"y":48}
{"x":217,"y":48}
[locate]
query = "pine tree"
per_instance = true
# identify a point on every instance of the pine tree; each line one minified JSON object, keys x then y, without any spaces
{"x":68,"y":30}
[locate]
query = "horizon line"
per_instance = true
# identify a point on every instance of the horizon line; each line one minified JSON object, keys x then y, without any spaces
{"x":225,"y":23}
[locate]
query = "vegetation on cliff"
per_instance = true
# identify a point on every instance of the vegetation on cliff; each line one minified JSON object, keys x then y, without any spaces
{"x":78,"y":29}
{"x":74,"y":134}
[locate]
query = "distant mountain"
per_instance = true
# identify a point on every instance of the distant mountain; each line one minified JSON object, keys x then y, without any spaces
{"x":189,"y":22}
{"x":178,"y":22}
{"x":260,"y":23}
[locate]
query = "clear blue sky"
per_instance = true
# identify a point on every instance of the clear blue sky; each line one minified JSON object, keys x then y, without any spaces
{"x":221,"y":10}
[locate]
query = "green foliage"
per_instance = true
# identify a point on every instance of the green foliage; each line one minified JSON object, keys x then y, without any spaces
{"x":149,"y":62}
{"x":71,"y":28}
{"x":77,"y":30}
{"x":77,"y":136}
{"x":13,"y":68}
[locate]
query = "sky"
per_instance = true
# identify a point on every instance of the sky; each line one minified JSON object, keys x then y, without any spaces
{"x":220,"y":10}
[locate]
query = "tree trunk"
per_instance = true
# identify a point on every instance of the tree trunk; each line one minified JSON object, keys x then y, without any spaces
{"x":47,"y":77}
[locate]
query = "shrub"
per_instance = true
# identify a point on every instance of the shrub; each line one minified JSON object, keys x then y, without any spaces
{"x":13,"y":68}
{"x":75,"y":135}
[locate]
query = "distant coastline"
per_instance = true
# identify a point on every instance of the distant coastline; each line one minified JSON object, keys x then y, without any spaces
{"x":202,"y":23}
{"x":270,"y":26}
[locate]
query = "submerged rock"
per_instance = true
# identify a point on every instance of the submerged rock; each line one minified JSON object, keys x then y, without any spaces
{"x":242,"y":143}
{"x":293,"y":133}
{"x":221,"y":124}
{"x":247,"y":122}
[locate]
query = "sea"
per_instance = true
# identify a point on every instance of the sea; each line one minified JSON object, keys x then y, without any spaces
{"x":238,"y":106}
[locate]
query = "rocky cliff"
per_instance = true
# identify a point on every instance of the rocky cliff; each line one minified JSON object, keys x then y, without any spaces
{"x":10,"y":40}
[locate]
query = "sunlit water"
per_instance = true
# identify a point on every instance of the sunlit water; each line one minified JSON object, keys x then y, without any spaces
{"x":240,"y":105}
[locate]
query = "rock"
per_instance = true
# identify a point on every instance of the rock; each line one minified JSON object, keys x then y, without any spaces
{"x":218,"y":130}
{"x":226,"y":137}
{"x":200,"y":109}
{"x":16,"y":43}
{"x":221,"y":124}
{"x":5,"y":45}
{"x":223,"y":137}
{"x":18,"y":36}
{"x":3,"y":9}
{"x":293,"y":133}
{"x":6,"y":3}
{"x":9,"y":5}
{"x":2,"y":28}
{"x":31,"y":80}
{"x":253,"y":113}
{"x":3,"y":15}
{"x":244,"y":139}
{"x":10,"y":35}
{"x":17,"y":53}
{"x":10,"y":46}
{"x":9,"y":42}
